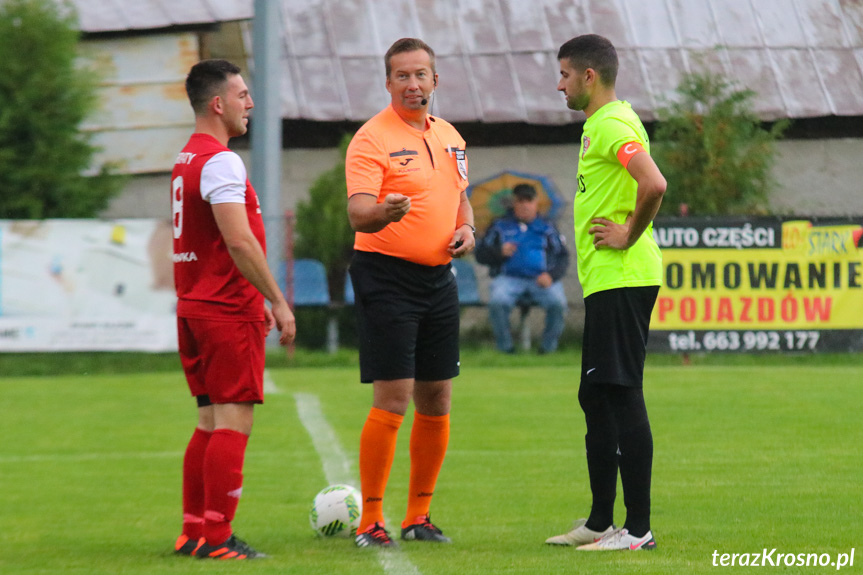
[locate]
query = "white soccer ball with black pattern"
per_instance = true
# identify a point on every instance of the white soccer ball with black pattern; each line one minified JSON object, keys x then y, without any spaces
{"x":336,"y":511}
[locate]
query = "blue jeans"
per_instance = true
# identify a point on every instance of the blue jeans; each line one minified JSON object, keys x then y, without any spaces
{"x":506,"y":292}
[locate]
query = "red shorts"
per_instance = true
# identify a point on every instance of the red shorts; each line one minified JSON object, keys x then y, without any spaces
{"x":223,"y":359}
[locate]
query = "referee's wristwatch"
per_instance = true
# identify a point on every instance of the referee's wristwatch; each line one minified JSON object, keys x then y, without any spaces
{"x":472,"y":228}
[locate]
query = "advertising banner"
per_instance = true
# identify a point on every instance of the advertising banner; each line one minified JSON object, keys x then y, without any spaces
{"x":87,"y":285}
{"x":759,"y":284}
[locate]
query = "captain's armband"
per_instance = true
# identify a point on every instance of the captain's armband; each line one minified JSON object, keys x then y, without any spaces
{"x":627,"y":151}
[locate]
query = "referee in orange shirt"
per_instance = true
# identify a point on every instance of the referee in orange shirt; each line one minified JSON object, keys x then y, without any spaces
{"x":406,"y":176}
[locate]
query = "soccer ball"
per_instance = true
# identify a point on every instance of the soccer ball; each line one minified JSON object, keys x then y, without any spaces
{"x":336,"y":511}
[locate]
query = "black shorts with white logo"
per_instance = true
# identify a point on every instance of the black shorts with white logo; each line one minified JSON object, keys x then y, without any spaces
{"x":407,"y":319}
{"x":616,"y":324}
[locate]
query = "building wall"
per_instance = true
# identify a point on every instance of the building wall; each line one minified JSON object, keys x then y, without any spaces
{"x":819,"y":177}
{"x":816,"y":178}
{"x":144,"y":112}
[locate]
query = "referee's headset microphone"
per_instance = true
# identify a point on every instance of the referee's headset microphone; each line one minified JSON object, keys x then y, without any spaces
{"x":425,"y":101}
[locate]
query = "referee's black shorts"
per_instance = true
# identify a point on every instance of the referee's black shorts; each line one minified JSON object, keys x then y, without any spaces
{"x":407,"y":319}
{"x":616,"y":324}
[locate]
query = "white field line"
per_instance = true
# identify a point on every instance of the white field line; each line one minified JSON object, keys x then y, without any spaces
{"x":111,"y":456}
{"x":253,"y":454}
{"x":73,"y":458}
{"x":337,"y":469}
{"x":270,"y":387}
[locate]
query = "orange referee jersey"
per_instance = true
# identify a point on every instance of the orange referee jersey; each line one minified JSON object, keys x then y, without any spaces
{"x":388,"y":156}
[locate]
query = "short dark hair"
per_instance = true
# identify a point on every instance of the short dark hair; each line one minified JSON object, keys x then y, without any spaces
{"x":524,"y":192}
{"x":407,"y":45}
{"x":592,"y":51}
{"x":207,"y":79}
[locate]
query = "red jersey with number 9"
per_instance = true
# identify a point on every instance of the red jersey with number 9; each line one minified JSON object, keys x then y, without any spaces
{"x":209,"y":284}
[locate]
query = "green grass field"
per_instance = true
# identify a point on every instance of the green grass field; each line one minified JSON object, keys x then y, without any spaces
{"x":747,"y":457}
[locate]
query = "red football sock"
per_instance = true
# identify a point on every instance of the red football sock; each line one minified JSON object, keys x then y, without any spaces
{"x":429,"y":440}
{"x":193,"y":484}
{"x":377,"y":449}
{"x":223,"y":480}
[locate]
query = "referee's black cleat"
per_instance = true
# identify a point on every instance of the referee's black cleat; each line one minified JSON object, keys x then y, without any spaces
{"x":424,"y":530}
{"x":375,"y":536}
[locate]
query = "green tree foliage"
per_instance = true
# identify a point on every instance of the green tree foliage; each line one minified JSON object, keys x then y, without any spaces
{"x":44,"y":98}
{"x":323,"y":230}
{"x":713,"y":150}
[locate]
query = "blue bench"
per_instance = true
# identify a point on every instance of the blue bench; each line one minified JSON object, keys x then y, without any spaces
{"x":465,"y":277}
{"x":310,"y":284}
{"x":310,"y":289}
{"x":468,"y":287}
{"x":468,"y":295}
{"x":349,"y":290}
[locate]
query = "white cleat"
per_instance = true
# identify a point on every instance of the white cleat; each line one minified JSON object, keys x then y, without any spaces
{"x":579,"y":535}
{"x":619,"y":540}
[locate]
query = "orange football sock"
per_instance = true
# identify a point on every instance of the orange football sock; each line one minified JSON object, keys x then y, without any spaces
{"x":429,"y":440}
{"x":377,"y":449}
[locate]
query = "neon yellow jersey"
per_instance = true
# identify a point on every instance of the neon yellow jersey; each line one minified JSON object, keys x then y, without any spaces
{"x":606,"y":190}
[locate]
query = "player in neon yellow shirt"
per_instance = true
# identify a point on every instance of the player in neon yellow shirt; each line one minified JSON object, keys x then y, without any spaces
{"x":619,"y":192}
{"x":613,"y":138}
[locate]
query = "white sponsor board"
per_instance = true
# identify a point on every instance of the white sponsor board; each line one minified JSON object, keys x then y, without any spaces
{"x":87,"y":285}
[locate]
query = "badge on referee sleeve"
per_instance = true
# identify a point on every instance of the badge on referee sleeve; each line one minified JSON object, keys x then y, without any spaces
{"x":461,"y":162}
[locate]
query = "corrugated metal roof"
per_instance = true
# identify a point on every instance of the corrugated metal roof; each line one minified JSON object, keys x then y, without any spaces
{"x":497,"y":58}
{"x":119,"y":15}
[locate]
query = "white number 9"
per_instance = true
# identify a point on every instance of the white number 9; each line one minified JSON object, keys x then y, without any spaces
{"x":177,"y":205}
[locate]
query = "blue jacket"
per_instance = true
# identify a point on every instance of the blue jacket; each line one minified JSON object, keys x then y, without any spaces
{"x":541,"y":249}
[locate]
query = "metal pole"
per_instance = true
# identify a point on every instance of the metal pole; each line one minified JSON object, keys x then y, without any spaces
{"x":289,"y":266}
{"x":266,"y":133}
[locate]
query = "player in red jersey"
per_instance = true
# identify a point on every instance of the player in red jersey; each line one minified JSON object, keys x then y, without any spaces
{"x":222,"y":279}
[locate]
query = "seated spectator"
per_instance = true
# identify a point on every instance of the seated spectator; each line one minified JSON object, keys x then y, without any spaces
{"x":527,"y":258}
